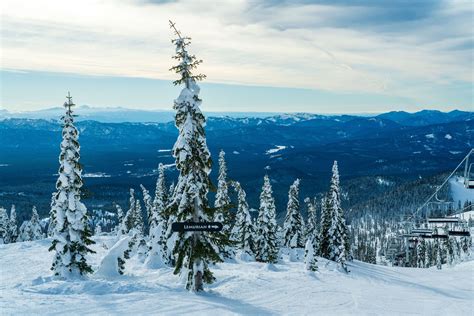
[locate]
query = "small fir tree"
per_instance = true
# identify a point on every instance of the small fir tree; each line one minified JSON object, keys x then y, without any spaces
{"x":52,"y":216}
{"x":120,"y":220}
{"x":326,"y":242}
{"x":312,"y":225}
{"x":243,"y":232}
{"x":13,"y":225}
{"x":293,"y":227}
{"x":35,"y":230}
{"x":420,"y":253}
{"x":4,"y":224}
{"x":310,"y":258}
{"x":148,"y":201}
{"x":438,"y":254}
{"x":267,"y":241}
{"x":158,"y":254}
{"x":129,"y":220}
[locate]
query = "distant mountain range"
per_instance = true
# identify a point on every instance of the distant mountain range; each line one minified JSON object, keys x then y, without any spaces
{"x":121,"y":115}
{"x":393,"y":147}
{"x":116,"y":114}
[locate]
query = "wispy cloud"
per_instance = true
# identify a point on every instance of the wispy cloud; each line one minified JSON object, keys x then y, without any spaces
{"x":387,"y":47}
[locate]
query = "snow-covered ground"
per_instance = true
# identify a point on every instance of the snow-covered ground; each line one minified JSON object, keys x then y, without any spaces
{"x":241,"y":288}
{"x":275,"y":150}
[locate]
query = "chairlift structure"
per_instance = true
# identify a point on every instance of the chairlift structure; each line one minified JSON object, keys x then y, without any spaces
{"x":449,"y":225}
{"x":469,"y":171}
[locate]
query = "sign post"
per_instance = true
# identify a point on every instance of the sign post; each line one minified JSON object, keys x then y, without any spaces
{"x":196,"y":227}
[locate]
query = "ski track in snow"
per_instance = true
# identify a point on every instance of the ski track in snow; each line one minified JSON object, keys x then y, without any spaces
{"x":26,"y":288}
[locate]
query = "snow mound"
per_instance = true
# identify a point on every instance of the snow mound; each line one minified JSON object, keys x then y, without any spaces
{"x":109,"y":265}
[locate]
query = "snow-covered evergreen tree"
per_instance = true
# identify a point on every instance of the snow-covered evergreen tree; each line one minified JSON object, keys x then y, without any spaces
{"x":120,"y":220}
{"x":137,"y":243}
{"x":420,"y":253}
{"x":127,"y":223}
{"x":148,"y":201}
{"x":243,"y":232}
{"x":24,"y":231}
{"x":427,"y":255}
{"x":334,"y":236}
{"x":36,"y":232}
{"x":52,"y":216}
{"x":438,"y":254}
{"x":267,"y":241}
{"x":293,"y":227}
{"x":13,"y":225}
{"x":161,"y":193}
{"x":466,"y":244}
{"x":158,"y":254}
{"x":194,"y":251}
{"x":171,"y":190}
{"x":72,"y":234}
{"x":310,"y":258}
{"x":222,"y":206}
{"x":137,"y":222}
{"x":325,"y":240}
{"x":312,"y":224}
{"x":450,"y":250}
{"x":4,"y":225}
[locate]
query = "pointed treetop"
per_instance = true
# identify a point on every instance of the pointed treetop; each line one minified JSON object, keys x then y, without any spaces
{"x":187,"y":62}
{"x":335,"y":173}
{"x":69,"y":102}
{"x":173,"y":26}
{"x":334,"y":167}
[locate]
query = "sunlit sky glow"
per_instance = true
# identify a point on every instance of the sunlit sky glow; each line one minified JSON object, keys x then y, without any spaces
{"x":316,"y":56}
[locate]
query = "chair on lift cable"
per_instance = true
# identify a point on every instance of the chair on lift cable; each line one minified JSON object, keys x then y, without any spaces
{"x":469,"y":177}
{"x":469,"y":172}
{"x":444,"y":220}
{"x":421,"y":231}
{"x":459,"y":233}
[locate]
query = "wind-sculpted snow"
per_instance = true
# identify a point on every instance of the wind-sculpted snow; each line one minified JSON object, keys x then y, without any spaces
{"x":249,"y":288}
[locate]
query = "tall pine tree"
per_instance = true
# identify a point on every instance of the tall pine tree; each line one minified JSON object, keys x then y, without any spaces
{"x":222,"y":205}
{"x":325,"y":240}
{"x":71,"y":238}
{"x":243,"y":232}
{"x":312,"y":224}
{"x":334,"y":235}
{"x":194,"y":251}
{"x":148,"y":201}
{"x":158,"y":254}
{"x":267,"y":241}
{"x":293,"y":227}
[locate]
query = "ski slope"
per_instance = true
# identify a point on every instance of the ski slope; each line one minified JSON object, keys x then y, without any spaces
{"x":26,"y":288}
{"x":459,"y":193}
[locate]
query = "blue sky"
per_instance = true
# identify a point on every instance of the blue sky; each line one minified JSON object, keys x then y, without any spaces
{"x":316,"y":56}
